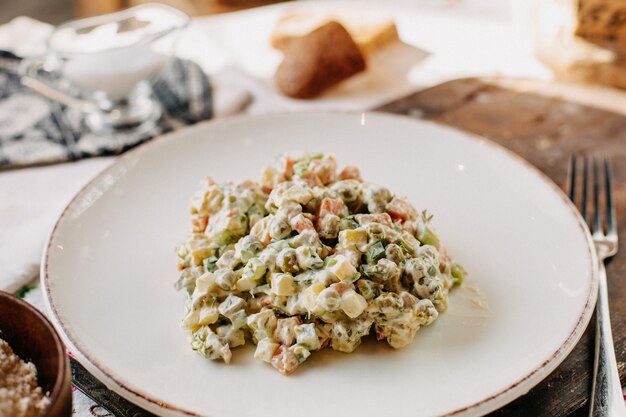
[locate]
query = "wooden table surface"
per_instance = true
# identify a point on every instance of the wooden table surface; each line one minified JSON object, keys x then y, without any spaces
{"x":545,"y":123}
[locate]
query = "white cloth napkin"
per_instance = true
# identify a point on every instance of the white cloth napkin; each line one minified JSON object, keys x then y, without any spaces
{"x":31,"y":199}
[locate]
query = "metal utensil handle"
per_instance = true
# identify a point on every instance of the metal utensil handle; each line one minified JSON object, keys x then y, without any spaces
{"x":607,"y":399}
{"x":103,"y":396}
{"x":29,"y":77}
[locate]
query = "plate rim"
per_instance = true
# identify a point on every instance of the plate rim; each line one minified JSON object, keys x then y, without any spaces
{"x":483,"y":406}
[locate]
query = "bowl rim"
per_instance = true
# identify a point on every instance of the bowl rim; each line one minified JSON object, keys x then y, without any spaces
{"x":57,"y":387}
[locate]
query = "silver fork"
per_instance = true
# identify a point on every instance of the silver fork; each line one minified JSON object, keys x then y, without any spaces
{"x":606,"y":393}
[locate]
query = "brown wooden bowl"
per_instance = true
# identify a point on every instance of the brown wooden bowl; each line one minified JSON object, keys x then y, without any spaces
{"x":33,"y":339}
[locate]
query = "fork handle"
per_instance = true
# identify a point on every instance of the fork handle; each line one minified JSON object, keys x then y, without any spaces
{"x":607,"y":399}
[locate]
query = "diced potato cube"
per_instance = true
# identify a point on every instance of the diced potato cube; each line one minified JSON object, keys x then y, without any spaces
{"x":352,"y":303}
{"x":265,"y":350}
{"x":355,"y":238}
{"x":300,"y":352}
{"x":225,"y":278}
{"x":262,"y":324}
{"x":210,"y":345}
{"x":231,"y":305}
{"x":205,"y":284}
{"x":246,"y":284}
{"x":191,"y":320}
{"x":198,"y":250}
{"x":299,"y":193}
{"x":247,"y":247}
{"x":234,"y":337}
{"x":228,"y":260}
{"x":308,"y":297}
{"x":306,"y":336}
{"x":226,"y":227}
{"x":239,"y":319}
{"x":342,"y":267}
{"x":282,"y":284}
{"x":207,"y":315}
{"x":253,"y":271}
{"x":207,"y":201}
{"x":270,"y":178}
{"x":308,"y":258}
{"x":328,"y":300}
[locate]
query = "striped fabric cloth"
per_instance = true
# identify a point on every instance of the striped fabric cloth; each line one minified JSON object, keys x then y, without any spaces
{"x":35,"y":130}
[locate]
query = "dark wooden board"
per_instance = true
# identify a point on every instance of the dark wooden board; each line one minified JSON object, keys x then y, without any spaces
{"x":545,"y":123}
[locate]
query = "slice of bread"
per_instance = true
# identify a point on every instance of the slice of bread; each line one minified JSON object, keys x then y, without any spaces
{"x":368,"y":30}
{"x":602,"y":22}
{"x":317,"y":61}
{"x":582,"y":40}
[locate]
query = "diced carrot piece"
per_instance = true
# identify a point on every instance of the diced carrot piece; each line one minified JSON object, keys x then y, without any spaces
{"x":350,"y":173}
{"x":341,"y":287}
{"x":334,"y":206}
{"x":325,"y":169}
{"x":312,"y":180}
{"x":284,"y":360}
{"x":300,"y":223}
{"x":399,"y":208}
{"x":288,"y":164}
{"x":199,"y":223}
{"x":444,"y":258}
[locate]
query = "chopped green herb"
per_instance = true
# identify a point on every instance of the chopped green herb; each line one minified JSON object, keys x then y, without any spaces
{"x":426,"y":215}
{"x":371,"y":271}
{"x":375,"y":251}
{"x":352,"y":278}
{"x":25,"y":289}
{"x":348,"y":223}
{"x":209,"y":263}
{"x":403,"y":247}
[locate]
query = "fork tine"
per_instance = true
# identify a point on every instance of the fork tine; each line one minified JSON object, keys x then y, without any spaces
{"x":597,"y":225}
{"x":611,"y":221}
{"x":571,"y":191}
{"x":585,"y":186}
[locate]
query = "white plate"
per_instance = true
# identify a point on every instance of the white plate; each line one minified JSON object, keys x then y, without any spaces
{"x":109,"y":267}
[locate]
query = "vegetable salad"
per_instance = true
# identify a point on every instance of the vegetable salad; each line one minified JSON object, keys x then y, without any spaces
{"x":306,"y":258}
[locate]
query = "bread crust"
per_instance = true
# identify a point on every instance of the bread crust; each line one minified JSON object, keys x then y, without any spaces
{"x":368,"y":32}
{"x":602,"y":22}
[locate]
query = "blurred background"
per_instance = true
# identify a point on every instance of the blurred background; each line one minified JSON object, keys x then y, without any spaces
{"x":57,"y":11}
